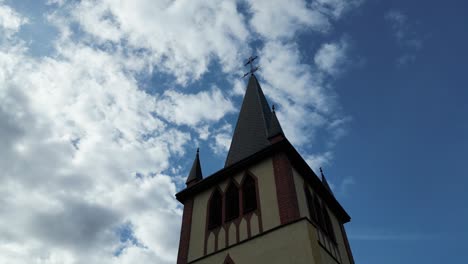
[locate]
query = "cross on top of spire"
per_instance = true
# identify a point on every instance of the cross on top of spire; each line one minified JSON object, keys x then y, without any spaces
{"x":252,"y":67}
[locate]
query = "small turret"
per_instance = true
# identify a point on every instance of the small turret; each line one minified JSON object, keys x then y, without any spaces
{"x":324,"y":182}
{"x":196,"y":172}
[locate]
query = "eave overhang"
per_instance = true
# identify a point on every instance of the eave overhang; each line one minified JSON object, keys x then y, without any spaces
{"x":296,"y":161}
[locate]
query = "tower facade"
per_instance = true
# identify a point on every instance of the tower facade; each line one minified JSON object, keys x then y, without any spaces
{"x":266,"y":205}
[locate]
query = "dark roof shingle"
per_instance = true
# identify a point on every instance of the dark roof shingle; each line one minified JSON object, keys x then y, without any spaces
{"x":195,"y":172}
{"x":251,"y":132}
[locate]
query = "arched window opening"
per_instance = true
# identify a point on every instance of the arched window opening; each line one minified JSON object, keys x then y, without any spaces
{"x":249,"y":194}
{"x":231,"y":202}
{"x":310,"y":205}
{"x":328,"y":224}
{"x":319,"y":214}
{"x":214,"y":210}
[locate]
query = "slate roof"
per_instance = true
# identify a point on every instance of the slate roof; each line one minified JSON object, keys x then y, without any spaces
{"x":195,"y":172}
{"x":297,"y":162}
{"x":251,"y":133}
{"x":274,"y":128}
{"x":250,"y":144}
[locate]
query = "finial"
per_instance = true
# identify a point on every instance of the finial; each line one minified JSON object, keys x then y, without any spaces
{"x":321,"y":171}
{"x":198,"y":151}
{"x":273,"y":108}
{"x":252,"y":68}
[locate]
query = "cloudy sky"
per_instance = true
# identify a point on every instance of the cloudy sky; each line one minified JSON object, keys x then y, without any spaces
{"x":103,"y":104}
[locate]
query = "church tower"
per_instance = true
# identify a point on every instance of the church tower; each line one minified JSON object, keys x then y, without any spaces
{"x":266,"y":205}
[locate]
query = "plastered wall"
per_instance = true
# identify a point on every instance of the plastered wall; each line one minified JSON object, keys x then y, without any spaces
{"x":302,"y":241}
{"x":267,"y":217}
{"x":304,"y":212}
{"x":289,"y":244}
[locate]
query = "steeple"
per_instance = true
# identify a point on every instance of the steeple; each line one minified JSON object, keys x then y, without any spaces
{"x":274,"y":128}
{"x":325,"y":183}
{"x":266,"y":190}
{"x":252,"y":129}
{"x":195,"y":173}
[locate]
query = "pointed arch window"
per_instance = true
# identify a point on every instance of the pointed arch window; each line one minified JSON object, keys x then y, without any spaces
{"x":319,"y":213}
{"x":231,"y":204}
{"x":249,"y":194}
{"x":215,"y":210}
{"x":328,"y":224}
{"x":310,"y":205}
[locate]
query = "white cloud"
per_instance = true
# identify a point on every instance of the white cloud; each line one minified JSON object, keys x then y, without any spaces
{"x":280,"y":19}
{"x":299,"y":90}
{"x":10,"y":20}
{"x":238,"y":88}
{"x":336,"y":8}
{"x":331,"y":57}
{"x":75,"y":128}
{"x":192,"y":109}
{"x":222,"y":139}
{"x":181,"y":37}
{"x":86,"y":151}
{"x":319,"y":160}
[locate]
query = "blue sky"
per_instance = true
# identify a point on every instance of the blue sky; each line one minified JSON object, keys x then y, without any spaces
{"x":103,"y":104}
{"x":407,"y":142}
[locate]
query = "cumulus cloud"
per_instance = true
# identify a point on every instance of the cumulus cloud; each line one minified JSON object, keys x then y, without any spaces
{"x":191,"y":109}
{"x":331,"y":57}
{"x":87,"y":152}
{"x":75,"y":129}
{"x":181,"y":37}
{"x":10,"y":20}
{"x":284,"y":19}
{"x":280,"y":19}
{"x":317,"y":161}
{"x":300,"y":91}
{"x":222,"y":139}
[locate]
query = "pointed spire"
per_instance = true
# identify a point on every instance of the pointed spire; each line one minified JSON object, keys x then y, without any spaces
{"x":274,"y":128}
{"x":324,"y":182}
{"x":195,"y":173}
{"x":251,"y":132}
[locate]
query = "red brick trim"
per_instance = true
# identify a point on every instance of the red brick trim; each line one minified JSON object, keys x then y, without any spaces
{"x":182,"y":256}
{"x":285,"y":189}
